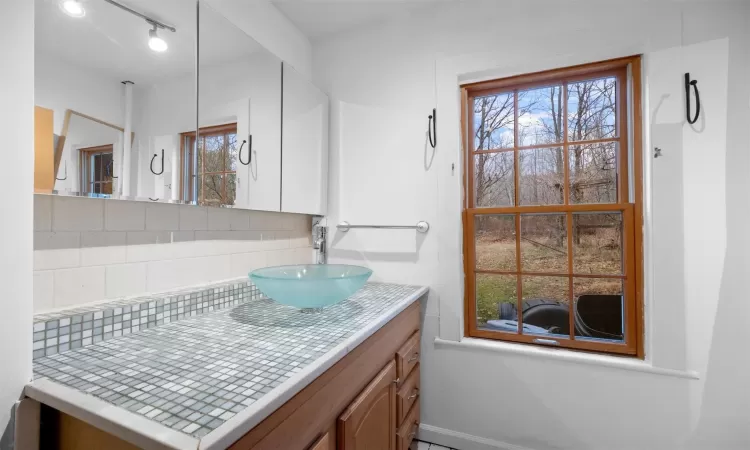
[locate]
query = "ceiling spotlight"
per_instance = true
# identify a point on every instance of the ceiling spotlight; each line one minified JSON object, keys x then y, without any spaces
{"x":73,"y":8}
{"x":156,"y":43}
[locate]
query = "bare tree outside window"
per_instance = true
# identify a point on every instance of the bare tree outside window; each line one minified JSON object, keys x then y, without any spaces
{"x":215,"y":175}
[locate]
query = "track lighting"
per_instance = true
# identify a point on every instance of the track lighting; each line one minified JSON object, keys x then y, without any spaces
{"x":156,"y":43}
{"x":73,"y":8}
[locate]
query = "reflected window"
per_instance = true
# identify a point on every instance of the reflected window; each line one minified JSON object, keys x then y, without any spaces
{"x":96,"y":170}
{"x":209,"y":168}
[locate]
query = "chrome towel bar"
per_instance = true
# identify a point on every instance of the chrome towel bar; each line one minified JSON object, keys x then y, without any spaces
{"x":421,"y":226}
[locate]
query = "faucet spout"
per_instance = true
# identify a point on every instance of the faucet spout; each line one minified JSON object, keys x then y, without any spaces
{"x":320,"y":244}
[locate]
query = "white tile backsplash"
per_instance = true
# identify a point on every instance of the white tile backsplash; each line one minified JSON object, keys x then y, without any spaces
{"x":50,"y":240}
{"x":149,"y":237}
{"x":193,"y":218}
{"x":220,"y":219}
{"x":124,"y":216}
{"x":44,"y":290}
{"x":77,"y":213}
{"x":103,"y":238}
{"x":148,"y":247}
{"x":57,"y":259}
{"x":162,"y":217}
{"x":163,"y":275}
{"x":79,"y":285}
{"x":124,"y":280}
{"x":243,"y":263}
{"x":42,"y":213}
{"x":101,"y":256}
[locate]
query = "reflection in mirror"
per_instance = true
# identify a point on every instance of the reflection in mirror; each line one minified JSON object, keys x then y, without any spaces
{"x":237,"y":159}
{"x":114,"y":86}
{"x":88,"y":149}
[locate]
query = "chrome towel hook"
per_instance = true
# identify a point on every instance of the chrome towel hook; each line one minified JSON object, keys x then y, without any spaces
{"x":162,"y":163}
{"x":694,"y":84}
{"x":432,"y":128}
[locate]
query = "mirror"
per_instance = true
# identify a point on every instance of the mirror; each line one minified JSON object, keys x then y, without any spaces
{"x":117,"y":109}
{"x":238,"y":156}
{"x":87,"y":146}
{"x":114,"y":88}
{"x":304,"y":185}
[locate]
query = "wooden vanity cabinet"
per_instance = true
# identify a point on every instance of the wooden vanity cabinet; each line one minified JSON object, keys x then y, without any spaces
{"x":354,"y":405}
{"x":370,"y":421}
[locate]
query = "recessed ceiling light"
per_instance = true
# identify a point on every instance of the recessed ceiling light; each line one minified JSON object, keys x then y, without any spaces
{"x":73,"y":8}
{"x":156,"y":43}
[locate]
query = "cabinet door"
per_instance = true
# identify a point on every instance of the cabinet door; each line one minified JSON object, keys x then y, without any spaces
{"x":370,"y":421}
{"x":240,"y":85}
{"x":304,"y":157}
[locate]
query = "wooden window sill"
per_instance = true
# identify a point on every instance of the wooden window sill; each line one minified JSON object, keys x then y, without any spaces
{"x":616,"y":362}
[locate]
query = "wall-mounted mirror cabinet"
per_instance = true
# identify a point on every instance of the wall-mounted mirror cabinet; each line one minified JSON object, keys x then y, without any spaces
{"x":120,"y":95}
{"x":304,"y":159}
{"x":238,"y":159}
{"x":111,"y":80}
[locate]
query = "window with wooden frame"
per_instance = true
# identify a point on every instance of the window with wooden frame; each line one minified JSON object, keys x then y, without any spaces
{"x":96,"y":169}
{"x":553,"y":217}
{"x":208,"y":171}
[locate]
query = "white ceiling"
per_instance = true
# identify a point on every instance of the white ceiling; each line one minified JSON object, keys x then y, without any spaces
{"x":114,"y":42}
{"x":322,"y":18}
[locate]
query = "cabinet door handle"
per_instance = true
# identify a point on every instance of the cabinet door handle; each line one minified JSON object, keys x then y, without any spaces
{"x":414,"y":357}
{"x":397,"y":381}
{"x":414,"y":394}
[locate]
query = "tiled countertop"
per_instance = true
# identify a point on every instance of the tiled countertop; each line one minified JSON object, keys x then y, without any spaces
{"x":204,"y":382}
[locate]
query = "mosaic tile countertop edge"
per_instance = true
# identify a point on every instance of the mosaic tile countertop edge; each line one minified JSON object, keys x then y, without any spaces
{"x":214,"y":377}
{"x":76,"y":327}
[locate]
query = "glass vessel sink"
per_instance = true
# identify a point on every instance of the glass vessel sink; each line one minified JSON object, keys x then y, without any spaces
{"x":310,"y":286}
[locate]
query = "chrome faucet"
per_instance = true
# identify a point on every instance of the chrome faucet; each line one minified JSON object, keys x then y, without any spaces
{"x":320,"y":233}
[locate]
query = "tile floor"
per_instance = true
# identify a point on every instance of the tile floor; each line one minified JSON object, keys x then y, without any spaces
{"x":427,"y":446}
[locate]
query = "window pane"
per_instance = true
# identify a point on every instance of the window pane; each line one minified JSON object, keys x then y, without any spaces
{"x":593,"y":173}
{"x":494,"y":120}
{"x":496,"y":302}
{"x":98,"y":167}
{"x":213,"y":189}
{"x":541,"y":177}
{"x":231,"y":188}
{"x":540,"y":116}
{"x":214,"y":154}
{"x":495,"y":242}
{"x":231,"y":154}
{"x":493,"y":179}
{"x":201,"y":145}
{"x":544,"y":243}
{"x":545,"y":306}
{"x":108,"y":165}
{"x":599,"y":311}
{"x":597,"y":243}
{"x":592,"y":109}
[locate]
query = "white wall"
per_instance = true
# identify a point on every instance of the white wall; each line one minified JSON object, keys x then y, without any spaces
{"x":60,"y":86}
{"x":270,"y":28}
{"x":383,"y":81}
{"x":88,"y":249}
{"x":17,"y":129}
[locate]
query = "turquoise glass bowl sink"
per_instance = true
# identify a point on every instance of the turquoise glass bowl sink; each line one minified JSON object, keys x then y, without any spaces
{"x":310,"y":285}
